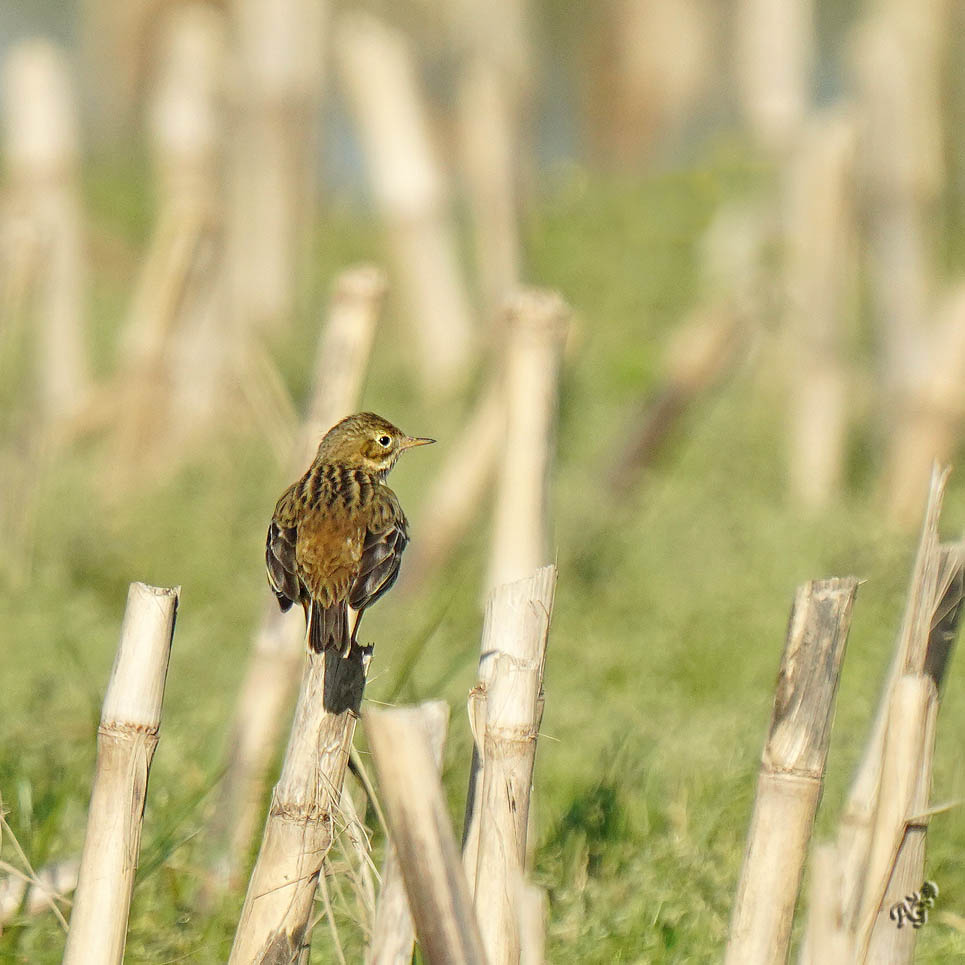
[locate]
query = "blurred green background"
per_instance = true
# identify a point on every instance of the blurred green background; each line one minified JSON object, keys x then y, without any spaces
{"x":672,"y":601}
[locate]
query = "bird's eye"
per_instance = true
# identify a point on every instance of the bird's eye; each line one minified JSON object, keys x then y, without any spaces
{"x":385,"y":441}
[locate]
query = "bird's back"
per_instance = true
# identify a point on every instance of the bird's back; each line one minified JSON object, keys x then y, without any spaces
{"x":335,"y":540}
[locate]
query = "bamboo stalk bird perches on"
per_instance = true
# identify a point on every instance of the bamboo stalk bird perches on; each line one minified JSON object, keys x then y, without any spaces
{"x":275,"y":919}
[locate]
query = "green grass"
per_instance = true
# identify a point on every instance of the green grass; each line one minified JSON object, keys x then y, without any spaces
{"x":669,"y":624}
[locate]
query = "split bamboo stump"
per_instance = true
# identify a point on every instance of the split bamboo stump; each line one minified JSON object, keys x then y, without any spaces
{"x":275,"y":920}
{"x":930,"y":577}
{"x":419,"y":824}
{"x":126,"y":740}
{"x":792,"y":772}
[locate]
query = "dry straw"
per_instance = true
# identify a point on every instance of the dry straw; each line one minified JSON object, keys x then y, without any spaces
{"x":126,"y":740}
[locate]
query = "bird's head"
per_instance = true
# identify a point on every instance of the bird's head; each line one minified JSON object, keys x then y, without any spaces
{"x":366,"y":441}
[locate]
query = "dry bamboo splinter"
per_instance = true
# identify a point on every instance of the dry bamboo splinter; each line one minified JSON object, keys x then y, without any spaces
{"x":393,"y":933}
{"x":419,"y":823}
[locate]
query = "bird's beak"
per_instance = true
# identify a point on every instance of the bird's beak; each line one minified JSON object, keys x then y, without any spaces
{"x":410,"y":442}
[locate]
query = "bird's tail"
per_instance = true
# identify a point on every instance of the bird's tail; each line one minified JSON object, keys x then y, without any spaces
{"x":328,"y":627}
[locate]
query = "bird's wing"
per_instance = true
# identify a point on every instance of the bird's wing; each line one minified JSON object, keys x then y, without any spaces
{"x":280,"y":551}
{"x":385,"y":540}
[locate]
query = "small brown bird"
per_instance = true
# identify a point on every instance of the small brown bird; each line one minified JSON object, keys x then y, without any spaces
{"x":336,"y":539}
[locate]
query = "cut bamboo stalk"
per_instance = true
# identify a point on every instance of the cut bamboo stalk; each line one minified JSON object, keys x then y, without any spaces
{"x":265,"y":694}
{"x":533,"y":913}
{"x":343,"y":353}
{"x":126,"y":740}
{"x":274,"y":923}
{"x":41,"y":143}
{"x":897,"y":858}
{"x":774,"y":49}
{"x":459,"y":488}
{"x":819,"y":272}
{"x":279,"y":71}
{"x":931,"y":576}
{"x":537,"y":323}
{"x":379,"y":77}
{"x":651,"y":64}
{"x":827,"y":940}
{"x":929,"y":428}
{"x":187,"y":126}
{"x":393,"y":934}
{"x":515,"y":627}
{"x":172,"y":282}
{"x":185,"y":114}
{"x":855,"y":831}
{"x":493,"y":95}
{"x":489,"y":154}
{"x":419,"y":824}
{"x":897,"y":57}
{"x":792,"y":772}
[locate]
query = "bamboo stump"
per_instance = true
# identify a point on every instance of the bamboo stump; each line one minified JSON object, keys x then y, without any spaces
{"x":774,"y":48}
{"x":537,"y":324}
{"x":274,"y":923}
{"x":41,"y":144}
{"x":505,"y":709}
{"x":792,"y":772}
{"x":279,"y":74}
{"x":379,"y":76}
{"x":126,"y":740}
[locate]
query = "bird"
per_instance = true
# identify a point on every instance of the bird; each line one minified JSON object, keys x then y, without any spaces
{"x":337,"y":535}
